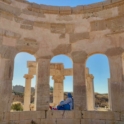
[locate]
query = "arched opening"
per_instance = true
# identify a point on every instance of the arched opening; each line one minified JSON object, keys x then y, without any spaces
{"x":97,"y":82}
{"x":24,"y":81}
{"x":61,"y":78}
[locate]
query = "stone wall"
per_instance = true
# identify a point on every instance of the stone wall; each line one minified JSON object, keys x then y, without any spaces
{"x":46,"y":31}
{"x":63,"y":117}
{"x":25,"y":27}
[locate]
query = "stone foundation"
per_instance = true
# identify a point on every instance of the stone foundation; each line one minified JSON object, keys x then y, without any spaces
{"x":63,"y":117}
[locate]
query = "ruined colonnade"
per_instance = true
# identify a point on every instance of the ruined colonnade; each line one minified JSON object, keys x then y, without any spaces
{"x":78,"y":32}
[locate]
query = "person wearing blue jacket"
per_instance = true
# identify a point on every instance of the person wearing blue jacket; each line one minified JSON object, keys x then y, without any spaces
{"x":67,"y":104}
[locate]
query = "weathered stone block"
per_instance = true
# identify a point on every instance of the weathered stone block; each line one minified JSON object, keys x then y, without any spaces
{"x":101,"y":115}
{"x":49,"y":9}
{"x":62,"y":36}
{"x":114,"y":122}
{"x":27,"y":22}
{"x":26,"y":115}
{"x":41,"y":114}
{"x":98,"y":25}
{"x":72,"y":114}
{"x":121,"y":9}
{"x":122,"y":116}
{"x":70,"y":28}
{"x":41,"y":24}
{"x":6,"y":15}
{"x":55,"y":114}
{"x":28,"y":27}
{"x":58,"y":28}
{"x":62,"y":49}
{"x":64,"y":18}
{"x":10,"y":9}
{"x":48,"y":121}
{"x":65,"y":10}
{"x":68,"y":121}
{"x":43,"y":107}
{"x":33,"y":13}
{"x":24,"y":122}
{"x":7,"y":1}
{"x":64,"y":114}
{"x":14,"y":116}
{"x":6,"y":117}
{"x":90,"y":121}
{"x":79,"y":36}
{"x":18,"y":19}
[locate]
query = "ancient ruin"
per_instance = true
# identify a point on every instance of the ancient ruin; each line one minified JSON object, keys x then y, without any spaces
{"x":78,"y":32}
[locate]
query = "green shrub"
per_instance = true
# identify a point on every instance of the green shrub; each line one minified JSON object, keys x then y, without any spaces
{"x":17,"y":107}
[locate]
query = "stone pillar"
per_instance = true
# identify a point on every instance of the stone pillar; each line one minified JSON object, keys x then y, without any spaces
{"x":79,"y":86}
{"x":27,"y":93}
{"x":35,"y":98}
{"x":109,"y":95}
{"x":123,"y":63}
{"x":58,"y":91}
{"x":116,"y":82}
{"x":6,"y":75}
{"x":42,"y":85}
{"x":90,"y":92}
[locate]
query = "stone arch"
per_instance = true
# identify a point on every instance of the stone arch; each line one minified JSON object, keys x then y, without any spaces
{"x":23,"y":74}
{"x":92,"y":81}
{"x":59,"y":72}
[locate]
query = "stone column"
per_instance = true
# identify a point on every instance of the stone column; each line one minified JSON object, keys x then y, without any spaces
{"x":27,"y":93}
{"x":6,"y":75}
{"x":58,"y":91}
{"x":79,"y":86}
{"x":116,"y":81}
{"x":42,"y":85}
{"x":90,"y":92}
{"x":109,"y":95}
{"x":35,"y":98}
{"x":123,"y":63}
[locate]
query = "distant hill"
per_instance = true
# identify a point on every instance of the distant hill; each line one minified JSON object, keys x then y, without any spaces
{"x":101,"y":100}
{"x":20,"y":89}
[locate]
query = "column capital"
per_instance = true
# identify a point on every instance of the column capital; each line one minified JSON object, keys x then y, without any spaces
{"x":79,"y":57}
{"x":28,"y":76}
{"x":58,"y":78}
{"x":115,"y":51}
{"x":89,"y":76}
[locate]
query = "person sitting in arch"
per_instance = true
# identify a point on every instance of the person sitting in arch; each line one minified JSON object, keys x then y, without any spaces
{"x":67,"y":104}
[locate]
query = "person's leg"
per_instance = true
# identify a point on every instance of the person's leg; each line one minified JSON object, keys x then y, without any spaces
{"x":66,"y":107}
{"x":60,"y":108}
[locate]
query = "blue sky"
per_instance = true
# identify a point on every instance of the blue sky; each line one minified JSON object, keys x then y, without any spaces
{"x":98,"y":65}
{"x":71,"y":3}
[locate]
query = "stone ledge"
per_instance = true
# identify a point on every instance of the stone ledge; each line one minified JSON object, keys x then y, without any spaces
{"x":75,"y":10}
{"x":62,"y":117}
